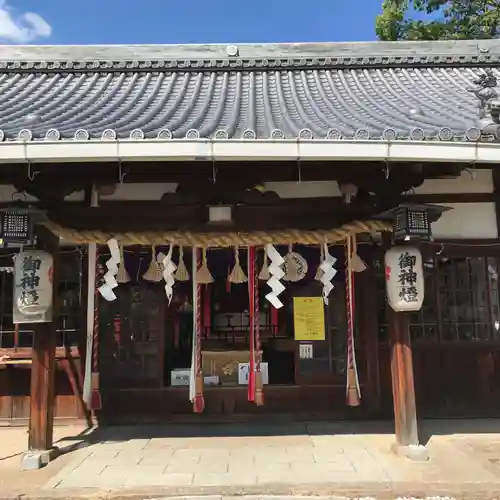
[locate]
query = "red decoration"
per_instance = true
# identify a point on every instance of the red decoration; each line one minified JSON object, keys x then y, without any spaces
{"x":259,"y":392}
{"x":207,"y":309}
{"x":95,"y":395}
{"x":199,"y":400}
{"x":251,"y":300}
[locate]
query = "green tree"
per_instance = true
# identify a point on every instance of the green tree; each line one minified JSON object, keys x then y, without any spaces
{"x":438,"y":20}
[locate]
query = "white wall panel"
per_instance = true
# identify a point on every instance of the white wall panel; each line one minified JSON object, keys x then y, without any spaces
{"x":467,"y":220}
{"x":482,"y":183}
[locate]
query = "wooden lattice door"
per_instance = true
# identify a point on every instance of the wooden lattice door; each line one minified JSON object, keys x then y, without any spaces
{"x":132,"y":337}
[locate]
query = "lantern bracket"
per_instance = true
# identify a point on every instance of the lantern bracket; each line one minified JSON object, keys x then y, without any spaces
{"x":387,"y":170}
{"x":121,"y":173}
{"x":32,"y":174}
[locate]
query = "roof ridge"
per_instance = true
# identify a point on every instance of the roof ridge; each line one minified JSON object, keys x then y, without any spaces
{"x":248,"y":56}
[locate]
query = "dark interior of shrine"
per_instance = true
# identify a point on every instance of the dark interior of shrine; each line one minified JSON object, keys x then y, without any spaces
{"x":135,"y":354}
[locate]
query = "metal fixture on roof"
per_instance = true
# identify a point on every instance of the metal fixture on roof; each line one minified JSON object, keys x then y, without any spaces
{"x":232,"y":50}
{"x":32,"y":118}
{"x":417,"y":110}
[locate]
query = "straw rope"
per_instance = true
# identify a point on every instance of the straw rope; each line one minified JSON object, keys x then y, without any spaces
{"x":226,"y":239}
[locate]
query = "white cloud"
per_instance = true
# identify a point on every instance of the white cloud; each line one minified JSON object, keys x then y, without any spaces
{"x":24,"y":27}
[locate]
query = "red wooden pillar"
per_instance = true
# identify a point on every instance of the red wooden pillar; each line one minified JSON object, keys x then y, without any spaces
{"x":42,"y":391}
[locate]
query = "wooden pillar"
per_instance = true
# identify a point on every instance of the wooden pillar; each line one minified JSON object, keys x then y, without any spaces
{"x":42,"y":391}
{"x":368,"y":322}
{"x":403,"y":387}
{"x":403,"y":384}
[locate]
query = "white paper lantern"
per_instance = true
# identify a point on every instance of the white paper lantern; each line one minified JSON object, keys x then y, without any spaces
{"x":404,"y":276}
{"x":33,"y":271}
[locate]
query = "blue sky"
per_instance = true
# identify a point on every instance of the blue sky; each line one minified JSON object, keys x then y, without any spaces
{"x":184,"y":21}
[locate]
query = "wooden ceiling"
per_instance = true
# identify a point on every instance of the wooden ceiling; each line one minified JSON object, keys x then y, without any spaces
{"x":52,"y":182}
{"x":380,"y":187}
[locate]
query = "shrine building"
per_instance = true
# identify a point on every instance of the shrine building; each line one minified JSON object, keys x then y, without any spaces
{"x":242,"y":231}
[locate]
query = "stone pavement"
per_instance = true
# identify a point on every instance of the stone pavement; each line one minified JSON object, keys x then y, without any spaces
{"x":341,"y":459}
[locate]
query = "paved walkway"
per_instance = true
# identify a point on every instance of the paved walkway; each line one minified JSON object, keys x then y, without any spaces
{"x":319,"y":458}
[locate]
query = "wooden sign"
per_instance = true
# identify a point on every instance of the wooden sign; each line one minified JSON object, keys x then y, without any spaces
{"x":404,"y":276}
{"x":309,"y":318}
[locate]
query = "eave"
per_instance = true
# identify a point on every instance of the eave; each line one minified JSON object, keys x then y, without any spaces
{"x":248,"y":150}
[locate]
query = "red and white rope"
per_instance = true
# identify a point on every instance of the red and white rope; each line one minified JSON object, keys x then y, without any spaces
{"x":350,"y":311}
{"x":99,"y":273}
{"x":251,"y":314}
{"x":258,"y":345}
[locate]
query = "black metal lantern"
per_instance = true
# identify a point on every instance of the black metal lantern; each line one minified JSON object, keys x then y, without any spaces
{"x":413,"y":221}
{"x":17,"y":224}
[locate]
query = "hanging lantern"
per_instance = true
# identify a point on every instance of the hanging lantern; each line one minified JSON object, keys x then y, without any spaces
{"x":33,"y":270}
{"x":412,"y":221}
{"x":17,"y":223}
{"x":404,"y":276}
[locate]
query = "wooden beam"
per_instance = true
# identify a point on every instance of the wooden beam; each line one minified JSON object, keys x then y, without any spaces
{"x":157,"y":215}
{"x":235,"y":171}
{"x":42,"y":392}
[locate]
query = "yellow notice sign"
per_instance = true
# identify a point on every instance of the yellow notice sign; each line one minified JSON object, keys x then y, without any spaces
{"x":309,"y":318}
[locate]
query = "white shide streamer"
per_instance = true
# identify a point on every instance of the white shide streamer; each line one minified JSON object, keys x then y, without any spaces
{"x":328,"y":272}
{"x":277,"y":273}
{"x":168,"y":274}
{"x":106,"y":290}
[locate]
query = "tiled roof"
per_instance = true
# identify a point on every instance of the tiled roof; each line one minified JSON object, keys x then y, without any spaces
{"x":403,"y":91}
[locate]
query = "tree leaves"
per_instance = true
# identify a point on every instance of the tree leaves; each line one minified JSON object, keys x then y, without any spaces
{"x":438,"y":20}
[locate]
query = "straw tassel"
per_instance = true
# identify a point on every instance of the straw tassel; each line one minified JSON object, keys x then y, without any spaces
{"x":264,"y":272}
{"x":182,"y":273}
{"x":291,"y":269}
{"x":122,"y":275}
{"x":237,"y":275}
{"x":358,"y":266}
{"x":154,"y":272}
{"x":319,"y":272}
{"x":353,"y":392}
{"x":203,"y":275}
{"x":259,"y":386}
